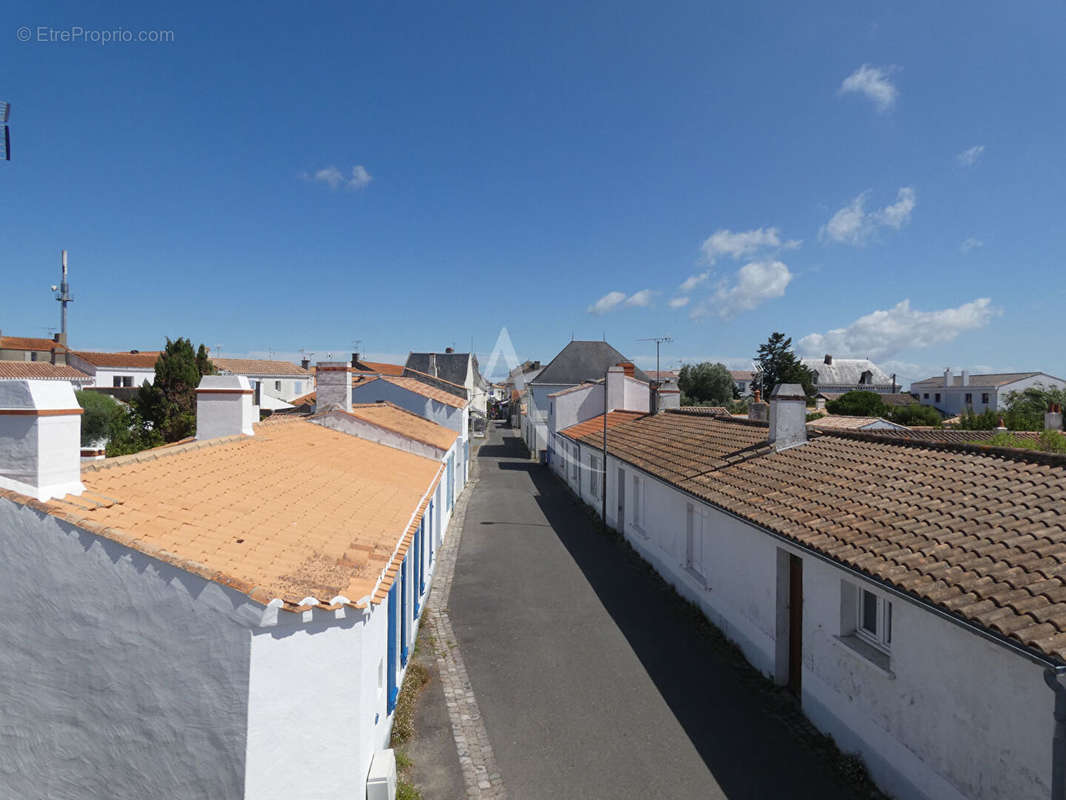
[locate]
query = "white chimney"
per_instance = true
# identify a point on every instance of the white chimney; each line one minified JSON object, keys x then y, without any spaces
{"x":947,"y":377}
{"x":40,"y":438}
{"x":788,"y":416}
{"x":667,"y":395}
{"x":965,"y":377}
{"x":616,"y":388}
{"x":224,"y":407}
{"x":1053,"y":418}
{"x":333,"y":386}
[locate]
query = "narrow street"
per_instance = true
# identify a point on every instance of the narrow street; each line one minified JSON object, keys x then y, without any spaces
{"x":593,"y":680}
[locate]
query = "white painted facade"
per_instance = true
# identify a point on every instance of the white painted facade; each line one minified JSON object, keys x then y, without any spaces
{"x":955,"y":399}
{"x":123,"y":676}
{"x":945,"y":713}
{"x":113,"y":375}
{"x":570,"y":406}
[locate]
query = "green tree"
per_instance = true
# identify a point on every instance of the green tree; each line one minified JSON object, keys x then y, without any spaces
{"x":916,"y":414}
{"x":985,"y":421}
{"x":777,"y":364}
{"x":705,"y":383}
{"x":1024,"y":410}
{"x":166,"y":410}
{"x":857,"y":404}
{"x":102,"y":414}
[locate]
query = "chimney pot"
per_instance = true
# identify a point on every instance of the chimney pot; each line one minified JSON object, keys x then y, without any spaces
{"x":40,"y":438}
{"x":355,"y":360}
{"x":788,"y":416}
{"x":1053,"y":418}
{"x":965,"y":377}
{"x":449,"y":349}
{"x":947,"y":377}
{"x":224,"y":407}
{"x":305,"y":363}
{"x":333,"y":386}
{"x":667,"y":395}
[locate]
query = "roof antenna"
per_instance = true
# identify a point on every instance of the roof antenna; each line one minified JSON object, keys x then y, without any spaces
{"x":63,"y":296}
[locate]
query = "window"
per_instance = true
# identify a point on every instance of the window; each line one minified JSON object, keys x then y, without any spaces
{"x":984,"y":398}
{"x":874,"y":623}
{"x":116,"y":381}
{"x":127,"y":380}
{"x":638,"y":502}
{"x":33,"y":356}
{"x":277,"y":386}
{"x":925,"y":396}
{"x":937,"y":398}
{"x":595,"y":479}
{"x":969,"y":399}
{"x":573,"y":462}
{"x":694,"y":541}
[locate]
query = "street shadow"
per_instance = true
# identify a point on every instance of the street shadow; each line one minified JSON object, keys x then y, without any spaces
{"x":751,"y":736}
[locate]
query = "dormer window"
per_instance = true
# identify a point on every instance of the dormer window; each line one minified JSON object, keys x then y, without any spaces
{"x":866,"y":378}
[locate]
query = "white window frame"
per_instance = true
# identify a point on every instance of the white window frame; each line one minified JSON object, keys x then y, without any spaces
{"x":881,"y":636}
{"x":595,"y":479}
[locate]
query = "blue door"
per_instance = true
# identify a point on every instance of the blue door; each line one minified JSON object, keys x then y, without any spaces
{"x":390,"y":652}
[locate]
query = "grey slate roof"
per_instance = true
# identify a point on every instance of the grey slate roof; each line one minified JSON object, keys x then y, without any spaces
{"x":451,"y":367}
{"x":583,"y":361}
{"x":846,"y":371}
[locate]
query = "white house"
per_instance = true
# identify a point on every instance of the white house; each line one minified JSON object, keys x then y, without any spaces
{"x":223,"y":618}
{"x":570,"y":406}
{"x":278,"y":380}
{"x":911,"y":595}
{"x":27,"y":348}
{"x":953,"y":394}
{"x":426,"y":401}
{"x":117,"y":370}
{"x":460,"y":369}
{"x":579,"y":362}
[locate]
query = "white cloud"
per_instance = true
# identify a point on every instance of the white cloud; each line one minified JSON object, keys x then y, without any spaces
{"x":883,"y":333}
{"x":641,"y":299}
{"x":692,"y":281}
{"x":679,"y":302}
{"x":970,"y":243}
{"x":335,"y":178}
{"x":742,"y":243}
{"x":853,"y":224}
{"x":872,"y":82}
{"x":969,"y":156}
{"x":608,"y":302}
{"x":754,"y":284}
{"x":612,"y":300}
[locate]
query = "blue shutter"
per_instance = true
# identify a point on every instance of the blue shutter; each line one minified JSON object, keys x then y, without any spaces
{"x":403,"y":613}
{"x":422,"y":557}
{"x":390,"y":652}
{"x":430,"y":531}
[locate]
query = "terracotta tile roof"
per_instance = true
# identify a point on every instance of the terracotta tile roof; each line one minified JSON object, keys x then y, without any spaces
{"x":29,"y":343}
{"x":742,"y":374}
{"x":703,"y":411}
{"x":988,"y":379}
{"x":144,"y":359}
{"x":41,"y":370}
{"x":842,"y":422}
{"x":949,"y":435}
{"x":304,"y":400}
{"x":577,"y":388}
{"x":258,"y":366}
{"x":979,"y":533}
{"x":380,"y":368}
{"x":295,"y":511}
{"x":416,"y":386}
{"x":400,"y":420}
{"x":595,"y":424}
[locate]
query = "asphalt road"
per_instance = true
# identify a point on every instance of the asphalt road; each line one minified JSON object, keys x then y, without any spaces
{"x":591,"y":679}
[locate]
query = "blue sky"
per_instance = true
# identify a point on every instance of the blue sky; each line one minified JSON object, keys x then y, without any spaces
{"x":882,"y":181}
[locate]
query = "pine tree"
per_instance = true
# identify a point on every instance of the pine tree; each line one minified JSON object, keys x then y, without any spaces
{"x":777,"y":364}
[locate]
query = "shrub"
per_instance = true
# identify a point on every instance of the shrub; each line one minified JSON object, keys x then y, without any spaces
{"x":916,"y":415}
{"x":858,"y":404}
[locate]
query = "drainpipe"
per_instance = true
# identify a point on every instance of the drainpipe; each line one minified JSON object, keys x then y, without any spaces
{"x":603,"y":493}
{"x":1058,"y":741}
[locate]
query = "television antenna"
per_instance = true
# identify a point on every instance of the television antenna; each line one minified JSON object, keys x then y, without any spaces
{"x":659,"y":340}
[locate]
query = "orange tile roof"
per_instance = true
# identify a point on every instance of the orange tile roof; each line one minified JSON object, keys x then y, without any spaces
{"x":596,"y":423}
{"x":144,"y":359}
{"x":382,"y":368}
{"x":41,"y":370}
{"x":414,"y":373}
{"x":416,"y":386}
{"x":579,"y":387}
{"x":258,"y":366}
{"x":841,"y":422}
{"x":977,"y":532}
{"x":295,"y":511}
{"x":406,"y":423}
{"x":29,"y":343}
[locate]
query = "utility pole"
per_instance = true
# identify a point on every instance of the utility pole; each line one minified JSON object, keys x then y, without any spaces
{"x":63,"y":296}
{"x":658,"y":341}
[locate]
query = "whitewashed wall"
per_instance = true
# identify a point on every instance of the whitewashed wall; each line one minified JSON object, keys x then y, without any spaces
{"x":105,"y":376}
{"x":954,"y":716}
{"x":120,"y":676}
